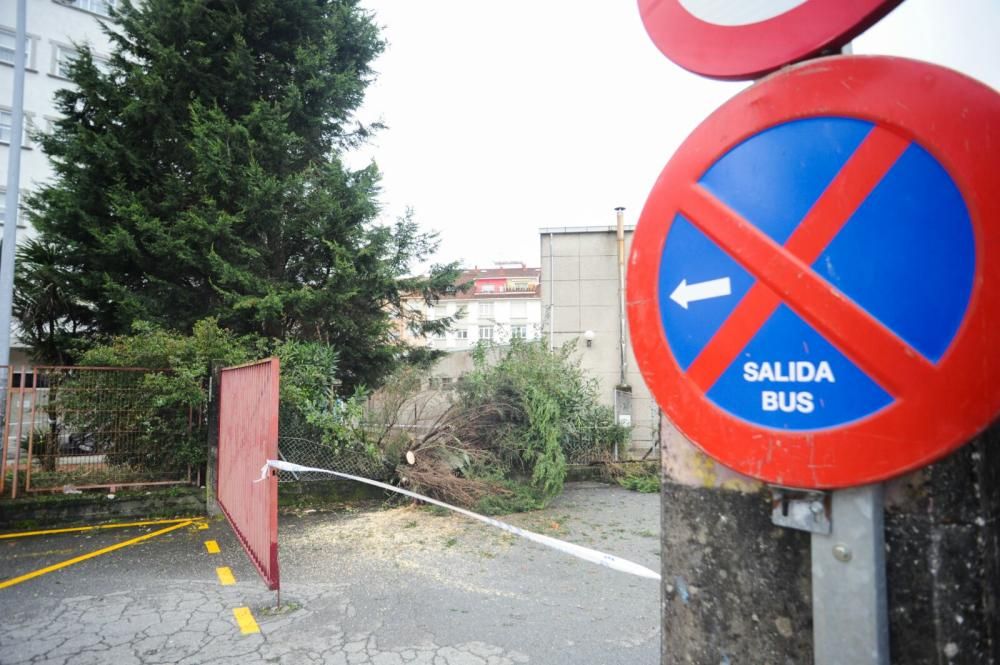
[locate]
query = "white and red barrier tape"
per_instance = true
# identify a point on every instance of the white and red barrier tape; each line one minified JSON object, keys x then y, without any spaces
{"x":580,"y":552}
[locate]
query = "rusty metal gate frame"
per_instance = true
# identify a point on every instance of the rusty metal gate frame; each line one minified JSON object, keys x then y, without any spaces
{"x":248,"y":437}
{"x":21,"y":405}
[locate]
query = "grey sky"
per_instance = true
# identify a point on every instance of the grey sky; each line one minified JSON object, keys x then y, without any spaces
{"x":504,"y":117}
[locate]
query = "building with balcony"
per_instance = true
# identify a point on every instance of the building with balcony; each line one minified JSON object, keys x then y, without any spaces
{"x":497,"y":305}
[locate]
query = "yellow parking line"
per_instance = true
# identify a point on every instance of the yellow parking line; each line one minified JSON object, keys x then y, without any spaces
{"x":212,"y":546}
{"x":225,"y":576}
{"x":245,"y":620}
{"x":120,"y":525}
{"x":90,"y":555}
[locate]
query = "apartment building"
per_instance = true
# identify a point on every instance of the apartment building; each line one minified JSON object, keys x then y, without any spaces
{"x":498,"y":305}
{"x":55,"y":28}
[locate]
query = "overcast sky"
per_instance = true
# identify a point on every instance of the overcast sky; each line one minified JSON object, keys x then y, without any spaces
{"x":505,"y":117}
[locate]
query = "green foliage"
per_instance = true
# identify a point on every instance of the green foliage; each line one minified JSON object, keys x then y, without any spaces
{"x":200,"y":174}
{"x":544,"y":404}
{"x":518,"y":497}
{"x":308,"y":375}
{"x":188,"y":356}
{"x":148,"y":420}
{"x":53,"y":322}
{"x":644,"y":478}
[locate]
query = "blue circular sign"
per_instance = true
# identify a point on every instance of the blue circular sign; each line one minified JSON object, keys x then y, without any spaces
{"x":906,"y":255}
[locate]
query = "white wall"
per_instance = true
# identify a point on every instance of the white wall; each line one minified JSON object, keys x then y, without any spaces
{"x":501,"y":320}
{"x":50,"y":24}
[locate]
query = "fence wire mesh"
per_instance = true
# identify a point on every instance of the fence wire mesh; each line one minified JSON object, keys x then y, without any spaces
{"x":591,"y":445}
{"x":300,"y":443}
{"x":75,"y":428}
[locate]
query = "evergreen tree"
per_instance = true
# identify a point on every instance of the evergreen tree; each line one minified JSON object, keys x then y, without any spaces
{"x":200,"y":174}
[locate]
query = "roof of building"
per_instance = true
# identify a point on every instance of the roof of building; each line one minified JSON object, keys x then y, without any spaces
{"x":469,"y":274}
{"x":548,"y":230}
{"x":532,"y":275}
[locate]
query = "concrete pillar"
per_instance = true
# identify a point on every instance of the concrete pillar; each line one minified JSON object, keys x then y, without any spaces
{"x":737,"y":589}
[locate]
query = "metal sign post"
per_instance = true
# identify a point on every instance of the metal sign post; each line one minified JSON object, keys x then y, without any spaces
{"x":850,"y":612}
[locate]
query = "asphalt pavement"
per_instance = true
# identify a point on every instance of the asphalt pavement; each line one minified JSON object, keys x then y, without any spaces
{"x":380,"y":587}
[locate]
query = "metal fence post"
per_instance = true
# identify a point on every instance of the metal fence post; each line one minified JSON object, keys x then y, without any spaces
{"x":212,"y":458}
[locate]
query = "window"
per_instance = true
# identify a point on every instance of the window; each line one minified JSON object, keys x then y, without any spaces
{"x":488,"y":288}
{"x":462,"y":333}
{"x":486,"y":309}
{"x":7,"y":38}
{"x":64,"y":58}
{"x":440,"y":312}
{"x":3,"y":210}
{"x":7,"y":126}
{"x":6,"y":122}
{"x":96,"y":6}
{"x":66,"y":55}
{"x":518,"y":332}
{"x":486,"y":333}
{"x":519,"y":310}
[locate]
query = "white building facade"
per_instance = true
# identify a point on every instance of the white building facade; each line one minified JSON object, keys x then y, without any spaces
{"x":499,"y":305}
{"x":54,"y":29}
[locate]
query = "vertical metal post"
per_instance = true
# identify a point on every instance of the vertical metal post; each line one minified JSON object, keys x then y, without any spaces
{"x":850,"y":607}
{"x":623,"y":355}
{"x":7,"y":252}
{"x":552,"y":295}
{"x":8,"y":398}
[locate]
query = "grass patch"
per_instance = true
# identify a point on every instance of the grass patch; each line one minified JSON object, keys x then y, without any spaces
{"x":643,"y":478}
{"x":519,"y":499}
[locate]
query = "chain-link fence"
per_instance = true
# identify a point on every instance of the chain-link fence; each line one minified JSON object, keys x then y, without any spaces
{"x":594,"y":444}
{"x":300,"y":443}
{"x":74,"y":428}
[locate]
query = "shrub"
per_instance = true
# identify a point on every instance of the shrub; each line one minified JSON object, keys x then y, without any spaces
{"x":501,"y":445}
{"x":155,"y":421}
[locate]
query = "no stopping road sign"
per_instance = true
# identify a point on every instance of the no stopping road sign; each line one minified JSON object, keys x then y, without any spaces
{"x":741,"y":39}
{"x":814,"y":284}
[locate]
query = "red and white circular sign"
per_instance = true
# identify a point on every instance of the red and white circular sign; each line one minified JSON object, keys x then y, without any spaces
{"x":744,"y":39}
{"x":814,"y":282}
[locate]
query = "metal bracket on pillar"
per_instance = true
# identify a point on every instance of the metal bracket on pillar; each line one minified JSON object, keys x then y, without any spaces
{"x":850,"y":610}
{"x":805,"y":510}
{"x":850,"y":606}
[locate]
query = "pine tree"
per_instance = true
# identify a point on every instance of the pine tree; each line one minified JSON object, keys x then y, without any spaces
{"x":200,"y":174}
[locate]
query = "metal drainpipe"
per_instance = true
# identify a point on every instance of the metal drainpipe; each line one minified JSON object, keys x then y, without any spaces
{"x":552,"y":304}
{"x":621,"y":292}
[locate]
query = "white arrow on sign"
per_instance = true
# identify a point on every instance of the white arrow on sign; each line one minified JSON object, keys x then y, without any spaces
{"x":714,"y":288}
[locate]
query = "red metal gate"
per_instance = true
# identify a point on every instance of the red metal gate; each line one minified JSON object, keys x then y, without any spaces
{"x":248,"y":437}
